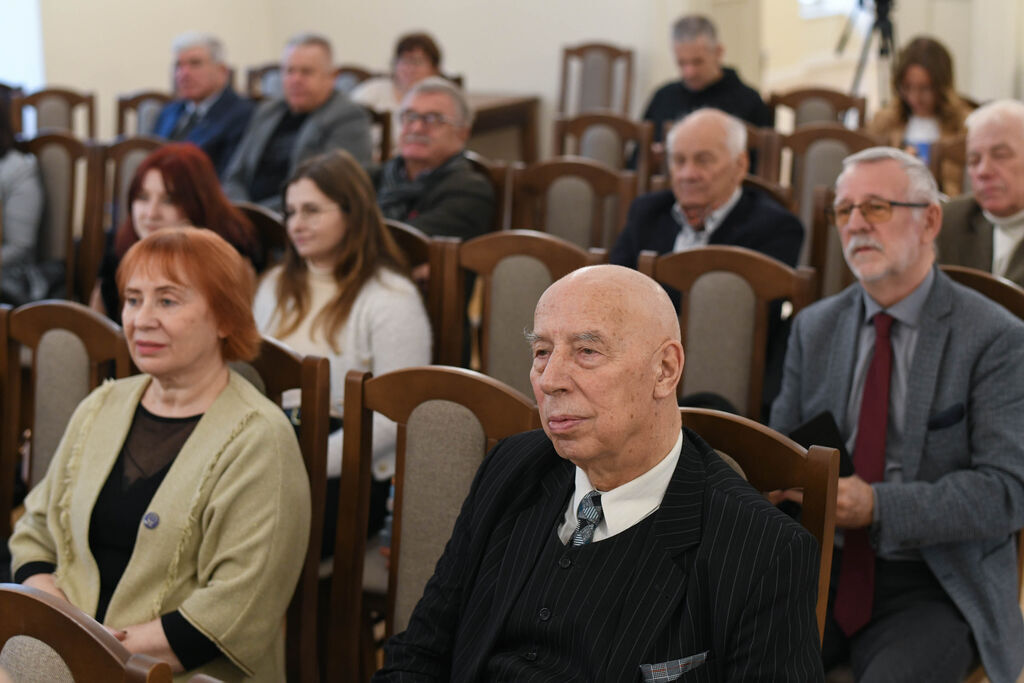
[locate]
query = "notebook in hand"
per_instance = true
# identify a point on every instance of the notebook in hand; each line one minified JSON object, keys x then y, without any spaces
{"x":822,"y":430}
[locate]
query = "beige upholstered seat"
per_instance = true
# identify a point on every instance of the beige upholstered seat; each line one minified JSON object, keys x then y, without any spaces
{"x":58,"y":109}
{"x":137,"y":112}
{"x":264,"y":81}
{"x":820,"y":105}
{"x":610,"y":139}
{"x":595,"y":76}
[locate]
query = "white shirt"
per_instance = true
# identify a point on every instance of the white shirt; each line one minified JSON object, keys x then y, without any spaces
{"x":688,"y":238}
{"x":1006,"y":235}
{"x":624,"y":505}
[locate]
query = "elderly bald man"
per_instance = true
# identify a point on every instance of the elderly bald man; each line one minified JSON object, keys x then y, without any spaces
{"x":613,"y":545}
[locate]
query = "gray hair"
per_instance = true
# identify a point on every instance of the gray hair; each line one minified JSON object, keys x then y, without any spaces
{"x":735,"y":130}
{"x":693,"y":26}
{"x":1001,"y":111}
{"x":311,"y":39}
{"x":192,"y":39}
{"x":438,"y":84}
{"x":921,"y":185}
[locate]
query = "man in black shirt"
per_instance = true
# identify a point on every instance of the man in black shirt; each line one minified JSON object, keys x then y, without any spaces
{"x":705,"y":82}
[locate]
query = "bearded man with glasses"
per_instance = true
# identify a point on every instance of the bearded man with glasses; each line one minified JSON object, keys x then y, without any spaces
{"x":925,"y":381}
{"x":430,"y":184}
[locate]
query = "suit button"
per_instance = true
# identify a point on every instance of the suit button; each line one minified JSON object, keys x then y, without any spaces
{"x":544,"y":614}
{"x":565,"y":563}
{"x":531,"y":655}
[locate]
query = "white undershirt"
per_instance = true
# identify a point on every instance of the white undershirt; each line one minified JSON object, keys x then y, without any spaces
{"x":688,"y":238}
{"x":1006,"y":235}
{"x":624,"y":505}
{"x":922,"y":129}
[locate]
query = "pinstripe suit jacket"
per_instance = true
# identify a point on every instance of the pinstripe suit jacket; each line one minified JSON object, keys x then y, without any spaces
{"x":963,"y":466}
{"x":728,"y":575}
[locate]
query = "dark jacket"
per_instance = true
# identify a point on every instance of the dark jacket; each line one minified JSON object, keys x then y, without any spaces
{"x":218,"y":132}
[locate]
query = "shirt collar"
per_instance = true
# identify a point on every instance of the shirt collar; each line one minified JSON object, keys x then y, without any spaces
{"x":626,"y":505}
{"x":908,"y":309}
{"x":203,"y":106}
{"x":714,"y":219}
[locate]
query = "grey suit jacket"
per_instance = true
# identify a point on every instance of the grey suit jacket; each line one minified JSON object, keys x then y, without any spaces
{"x":966,"y":239}
{"x":338,"y":124}
{"x":962,"y":497}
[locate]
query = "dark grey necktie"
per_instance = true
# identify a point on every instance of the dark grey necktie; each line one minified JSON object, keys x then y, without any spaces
{"x":590,"y":514}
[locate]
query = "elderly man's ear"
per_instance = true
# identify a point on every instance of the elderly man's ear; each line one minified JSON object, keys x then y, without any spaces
{"x":669,"y":359}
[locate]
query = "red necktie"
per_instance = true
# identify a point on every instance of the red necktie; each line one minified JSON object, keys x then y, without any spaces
{"x":856,"y":590}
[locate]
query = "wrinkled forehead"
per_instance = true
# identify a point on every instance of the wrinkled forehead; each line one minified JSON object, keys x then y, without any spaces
{"x":883,"y":178}
{"x":996,"y":131}
{"x":570,"y":308}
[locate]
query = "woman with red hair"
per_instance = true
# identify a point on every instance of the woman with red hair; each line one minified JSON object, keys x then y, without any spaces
{"x":176,"y":185}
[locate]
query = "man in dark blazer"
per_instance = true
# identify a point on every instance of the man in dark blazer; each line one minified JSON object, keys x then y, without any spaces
{"x":707,"y":203}
{"x":612,"y":545}
{"x":312,"y":118}
{"x":207,"y":112}
{"x":925,"y":380}
{"x":985,"y":229}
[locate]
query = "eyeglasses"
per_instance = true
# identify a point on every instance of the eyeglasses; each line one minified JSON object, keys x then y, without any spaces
{"x":431,"y":119}
{"x":310,"y":212}
{"x":873,"y":211}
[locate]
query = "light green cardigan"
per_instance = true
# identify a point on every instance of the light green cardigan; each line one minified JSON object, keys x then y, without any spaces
{"x":232,"y":533}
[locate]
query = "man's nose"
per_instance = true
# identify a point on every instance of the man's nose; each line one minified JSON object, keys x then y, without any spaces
{"x":555,"y":376}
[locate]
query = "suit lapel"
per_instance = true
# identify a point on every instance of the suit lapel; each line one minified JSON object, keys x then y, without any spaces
{"x":924,"y":372}
{"x":660,"y":579}
{"x":734,"y":222}
{"x":977,"y":248}
{"x":844,"y":349}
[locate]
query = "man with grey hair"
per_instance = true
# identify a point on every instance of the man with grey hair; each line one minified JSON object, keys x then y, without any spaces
{"x":707,"y":203}
{"x":924,"y":379}
{"x":704,"y":81}
{"x":208,"y":112}
{"x":311,"y":118}
{"x":430,"y":184}
{"x":985,"y":229}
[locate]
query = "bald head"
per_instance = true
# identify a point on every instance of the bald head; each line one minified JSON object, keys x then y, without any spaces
{"x":607,"y":359}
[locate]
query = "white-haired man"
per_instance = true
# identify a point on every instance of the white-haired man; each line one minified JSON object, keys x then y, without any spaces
{"x":208,"y":112}
{"x":925,"y":380}
{"x":985,"y":229}
{"x":704,"y":82}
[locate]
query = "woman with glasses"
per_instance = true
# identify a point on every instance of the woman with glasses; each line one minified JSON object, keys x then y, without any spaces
{"x":343,"y":292}
{"x":925,"y":108}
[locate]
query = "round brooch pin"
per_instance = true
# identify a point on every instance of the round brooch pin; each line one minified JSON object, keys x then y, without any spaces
{"x":151,"y":520}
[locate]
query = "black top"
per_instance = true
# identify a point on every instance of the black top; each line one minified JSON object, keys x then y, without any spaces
{"x":674,"y":100}
{"x":276,"y":161}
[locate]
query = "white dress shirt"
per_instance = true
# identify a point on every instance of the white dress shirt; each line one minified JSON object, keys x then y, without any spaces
{"x":688,"y":238}
{"x":1006,"y":235}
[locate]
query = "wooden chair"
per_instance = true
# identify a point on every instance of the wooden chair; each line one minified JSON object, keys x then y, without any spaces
{"x":771,"y":461}
{"x":782,"y":195}
{"x":73,"y":205}
{"x":348,"y":76}
{"x":55,"y":110}
{"x":73,"y":350}
{"x":579,"y":200}
{"x":381,"y":122}
{"x":724,"y":315}
{"x":46,"y":638}
{"x":141,"y":108}
{"x":270,"y":231}
{"x":947,"y":157}
{"x":448,"y":418}
{"x":421,"y":249}
{"x":612,"y":139}
{"x":498,"y":173}
{"x":279,"y":369}
{"x":264,"y":81}
{"x":515,"y":267}
{"x":826,"y":254}
{"x":595,"y":76}
{"x":817,"y":153}
{"x":819,"y":105}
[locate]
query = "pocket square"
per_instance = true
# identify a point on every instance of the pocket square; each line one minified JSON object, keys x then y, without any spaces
{"x":947,"y":417}
{"x":672,"y":669}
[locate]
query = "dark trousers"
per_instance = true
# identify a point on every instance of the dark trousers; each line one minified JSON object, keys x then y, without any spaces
{"x":916,"y":633}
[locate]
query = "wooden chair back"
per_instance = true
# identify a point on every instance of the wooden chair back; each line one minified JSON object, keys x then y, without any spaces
{"x":783,"y":196}
{"x":611,"y":139}
{"x":348,"y":76}
{"x":137,"y":111}
{"x":270,"y":231}
{"x":421,"y":249}
{"x":724,"y":311}
{"x":819,"y":105}
{"x":949,"y":160}
{"x":826,"y":254}
{"x":73,"y":350}
{"x":380,"y":122}
{"x":497,"y":172}
{"x":46,"y":638}
{"x":554,"y":196}
{"x":264,"y":81}
{"x":771,"y":461}
{"x":448,"y":418}
{"x":595,"y":76}
{"x":514,"y":267}
{"x":56,"y":109}
{"x":817,"y":153}
{"x":280,"y":369}
{"x":71,"y":181}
